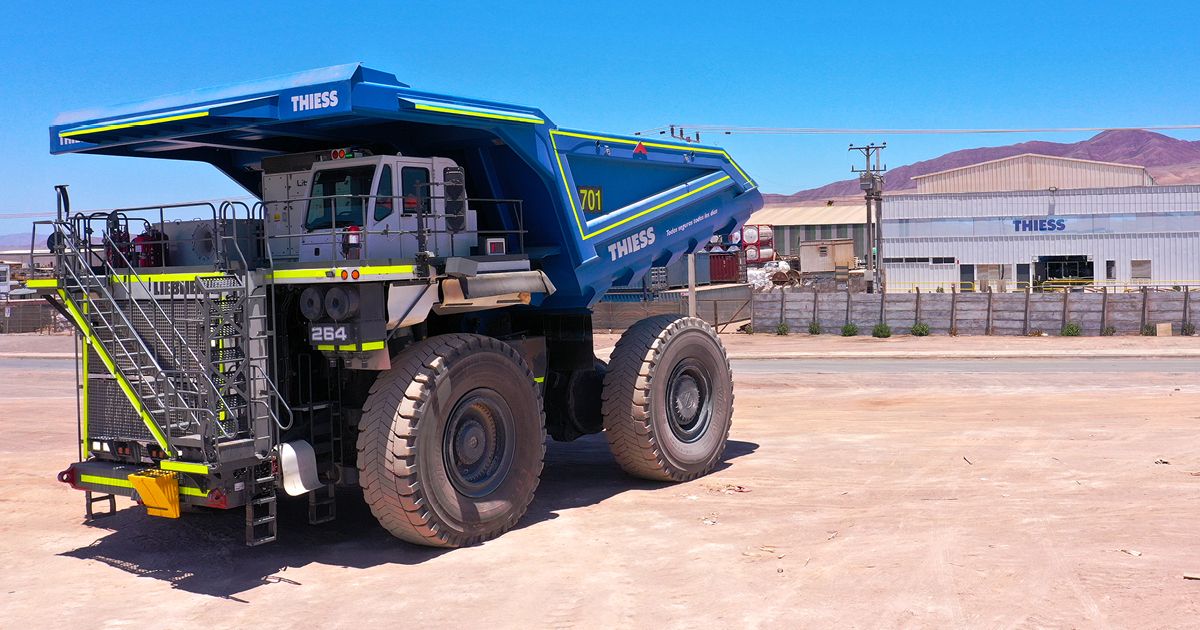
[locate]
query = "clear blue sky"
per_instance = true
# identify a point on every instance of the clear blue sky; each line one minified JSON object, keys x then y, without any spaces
{"x":613,"y":66}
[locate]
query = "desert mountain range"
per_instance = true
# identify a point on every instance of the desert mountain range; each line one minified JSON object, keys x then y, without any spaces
{"x":1169,"y":160}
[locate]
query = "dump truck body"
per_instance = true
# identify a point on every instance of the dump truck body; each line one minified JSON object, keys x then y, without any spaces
{"x":594,"y":200}
{"x":234,"y":348}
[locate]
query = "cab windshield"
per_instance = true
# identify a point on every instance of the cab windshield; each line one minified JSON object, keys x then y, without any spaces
{"x":339,"y":193}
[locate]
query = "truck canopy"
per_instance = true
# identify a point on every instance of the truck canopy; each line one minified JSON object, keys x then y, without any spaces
{"x":600,"y":209}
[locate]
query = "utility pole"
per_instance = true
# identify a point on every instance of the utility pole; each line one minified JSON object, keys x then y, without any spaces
{"x":870,"y":180}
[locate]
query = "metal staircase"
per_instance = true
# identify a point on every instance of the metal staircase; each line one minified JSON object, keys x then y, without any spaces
{"x":188,"y":350}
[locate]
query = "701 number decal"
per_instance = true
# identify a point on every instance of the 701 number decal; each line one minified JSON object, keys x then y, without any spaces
{"x":591,"y":198}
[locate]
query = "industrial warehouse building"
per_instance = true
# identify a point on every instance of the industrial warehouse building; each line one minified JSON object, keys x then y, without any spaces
{"x":796,"y":224}
{"x":1033,"y":221}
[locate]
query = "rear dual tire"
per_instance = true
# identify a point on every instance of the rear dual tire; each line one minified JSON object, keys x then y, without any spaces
{"x":668,"y":399}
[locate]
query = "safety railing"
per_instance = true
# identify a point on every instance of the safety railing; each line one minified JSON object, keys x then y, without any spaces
{"x":417,"y":220}
{"x":1119,"y":286}
{"x":932,"y":287}
{"x":1048,"y":286}
{"x":97,"y":256}
{"x":101,"y":304}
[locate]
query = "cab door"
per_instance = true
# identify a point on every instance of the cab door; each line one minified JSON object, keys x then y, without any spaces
{"x":383,"y":220}
{"x":415,"y":210}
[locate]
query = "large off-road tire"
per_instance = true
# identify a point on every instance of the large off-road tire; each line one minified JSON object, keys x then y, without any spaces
{"x":668,"y":399}
{"x":451,"y":441}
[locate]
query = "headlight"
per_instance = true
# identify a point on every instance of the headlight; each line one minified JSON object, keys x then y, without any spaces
{"x":341,"y":303}
{"x":312,"y":302}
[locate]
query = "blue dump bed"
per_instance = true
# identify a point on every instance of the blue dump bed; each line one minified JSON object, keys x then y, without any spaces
{"x":599,"y":209}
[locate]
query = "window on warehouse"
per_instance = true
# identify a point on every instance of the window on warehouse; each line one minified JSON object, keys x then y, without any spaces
{"x":1139,"y":269}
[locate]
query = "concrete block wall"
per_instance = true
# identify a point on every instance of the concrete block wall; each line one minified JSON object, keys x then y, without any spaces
{"x":976,"y":313}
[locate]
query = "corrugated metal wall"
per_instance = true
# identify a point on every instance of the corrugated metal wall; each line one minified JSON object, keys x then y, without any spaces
{"x":1033,"y":172}
{"x":1159,"y":224}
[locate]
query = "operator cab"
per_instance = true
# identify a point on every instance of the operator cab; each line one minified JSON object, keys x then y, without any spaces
{"x":350,"y":205}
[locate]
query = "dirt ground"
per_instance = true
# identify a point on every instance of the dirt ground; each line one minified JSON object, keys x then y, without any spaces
{"x":870,"y":499}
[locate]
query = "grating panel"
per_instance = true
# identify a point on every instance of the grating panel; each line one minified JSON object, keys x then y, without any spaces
{"x":109,"y":413}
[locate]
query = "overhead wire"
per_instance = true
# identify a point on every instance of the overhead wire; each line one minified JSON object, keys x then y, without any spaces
{"x":734,"y":129}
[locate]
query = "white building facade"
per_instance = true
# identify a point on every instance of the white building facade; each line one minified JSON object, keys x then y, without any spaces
{"x":1141,"y":235}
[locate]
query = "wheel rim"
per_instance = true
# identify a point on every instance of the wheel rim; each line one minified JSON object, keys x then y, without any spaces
{"x":689,"y":400}
{"x":477,"y":447}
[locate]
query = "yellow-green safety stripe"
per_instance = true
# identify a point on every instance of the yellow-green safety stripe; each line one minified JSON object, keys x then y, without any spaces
{"x":183,"y":467}
{"x":125,"y":483}
{"x":136,"y":123}
{"x":354,"y":347}
{"x":467,"y":112}
{"x":336,"y":272}
{"x":166,"y":277}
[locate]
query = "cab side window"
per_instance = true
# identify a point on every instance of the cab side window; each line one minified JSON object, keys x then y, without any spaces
{"x":385,"y":203}
{"x":414,"y":187}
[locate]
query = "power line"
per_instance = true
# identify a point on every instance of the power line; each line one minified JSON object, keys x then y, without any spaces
{"x":734,"y":129}
{"x":49,"y":214}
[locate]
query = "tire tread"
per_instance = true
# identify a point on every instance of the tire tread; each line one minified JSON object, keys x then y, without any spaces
{"x":389,"y":427}
{"x":626,"y":401}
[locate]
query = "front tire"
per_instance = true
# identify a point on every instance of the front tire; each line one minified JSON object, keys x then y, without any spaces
{"x":451,"y":441}
{"x":668,"y":399}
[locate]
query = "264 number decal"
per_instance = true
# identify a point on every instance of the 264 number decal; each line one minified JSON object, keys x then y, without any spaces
{"x":329,"y":333}
{"x":591,"y":198}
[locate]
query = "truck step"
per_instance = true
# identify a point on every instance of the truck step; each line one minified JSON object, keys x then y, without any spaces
{"x":222,"y":283}
{"x":261,"y":541}
{"x":322,"y":505}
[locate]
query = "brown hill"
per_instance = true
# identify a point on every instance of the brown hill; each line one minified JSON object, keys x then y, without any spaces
{"x":1170,"y":160}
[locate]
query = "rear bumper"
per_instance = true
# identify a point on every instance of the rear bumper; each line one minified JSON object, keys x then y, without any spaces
{"x":113,"y":478}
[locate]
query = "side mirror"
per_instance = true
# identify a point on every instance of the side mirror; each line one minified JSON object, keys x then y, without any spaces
{"x":455,"y":188}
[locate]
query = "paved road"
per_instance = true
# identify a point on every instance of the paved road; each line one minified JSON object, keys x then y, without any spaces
{"x":965,"y":366}
{"x":18,"y":366}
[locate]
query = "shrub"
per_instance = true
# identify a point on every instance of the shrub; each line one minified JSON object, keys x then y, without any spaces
{"x":1108,"y":331}
{"x":1036,"y":332}
{"x":920,"y":329}
{"x":1072,"y":329}
{"x":782,"y":329}
{"x":881,"y":331}
{"x":1188,"y":329}
{"x":814,"y":328}
{"x":1149,"y":331}
{"x":954,"y":331}
{"x":940,"y":289}
{"x":849,"y":330}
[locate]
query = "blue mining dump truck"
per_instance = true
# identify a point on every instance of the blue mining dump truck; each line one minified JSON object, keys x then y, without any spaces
{"x":406,"y":307}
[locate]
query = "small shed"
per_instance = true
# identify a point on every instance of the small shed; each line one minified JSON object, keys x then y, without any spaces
{"x":826,"y":256}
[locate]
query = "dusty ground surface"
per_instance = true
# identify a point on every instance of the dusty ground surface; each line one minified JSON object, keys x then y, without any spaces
{"x":765,"y":344}
{"x":935,"y":497}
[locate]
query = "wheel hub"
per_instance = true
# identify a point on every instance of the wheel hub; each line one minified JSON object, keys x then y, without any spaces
{"x":477,"y":447}
{"x":689,"y":400}
{"x":471,"y":443}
